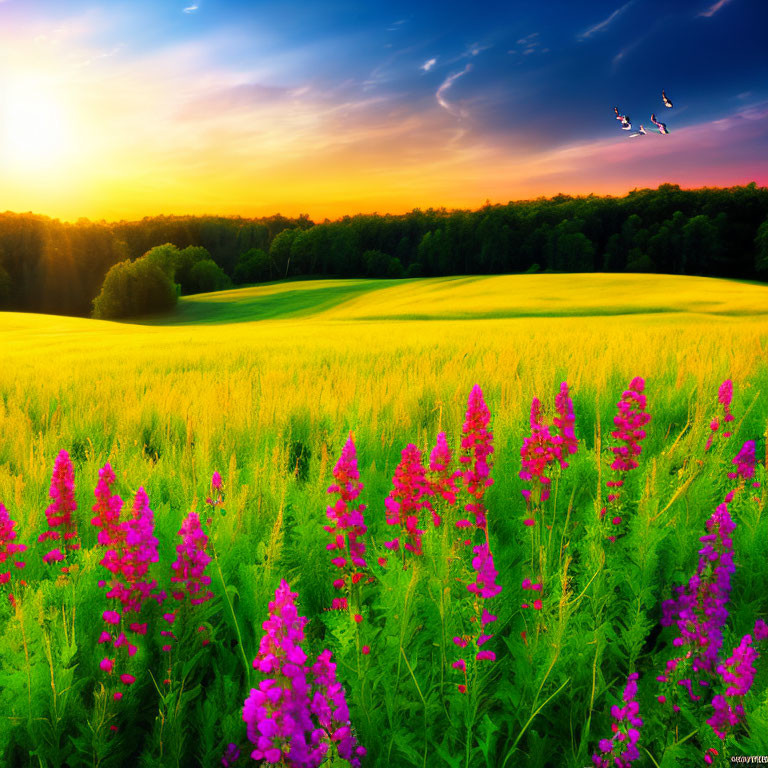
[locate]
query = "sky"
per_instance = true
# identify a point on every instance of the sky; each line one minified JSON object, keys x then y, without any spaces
{"x":122,"y":110}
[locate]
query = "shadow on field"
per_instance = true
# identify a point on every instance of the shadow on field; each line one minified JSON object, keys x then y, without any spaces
{"x":242,"y":306}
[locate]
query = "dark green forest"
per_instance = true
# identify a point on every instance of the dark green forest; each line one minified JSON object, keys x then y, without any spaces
{"x":50,"y":266}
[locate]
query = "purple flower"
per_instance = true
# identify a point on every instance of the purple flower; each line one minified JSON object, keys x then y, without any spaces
{"x":621,"y":750}
{"x":737,"y":674}
{"x":296,"y":710}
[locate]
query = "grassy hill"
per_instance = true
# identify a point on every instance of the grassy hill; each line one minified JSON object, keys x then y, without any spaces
{"x":451,"y":298}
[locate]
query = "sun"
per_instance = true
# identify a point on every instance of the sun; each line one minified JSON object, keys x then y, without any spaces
{"x":35,"y":128}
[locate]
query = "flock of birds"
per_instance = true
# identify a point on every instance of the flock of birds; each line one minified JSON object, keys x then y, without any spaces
{"x":626,"y":125}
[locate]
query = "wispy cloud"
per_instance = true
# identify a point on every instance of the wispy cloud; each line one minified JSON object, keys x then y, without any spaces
{"x":445,"y":86}
{"x":192,"y":8}
{"x":605,"y":23}
{"x":427,"y":65}
{"x":713,"y":9}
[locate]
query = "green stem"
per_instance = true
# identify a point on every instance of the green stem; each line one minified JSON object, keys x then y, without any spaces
{"x":530,"y":720}
{"x":246,"y":666}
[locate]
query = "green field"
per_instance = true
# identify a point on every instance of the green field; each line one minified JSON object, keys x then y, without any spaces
{"x":265,"y":383}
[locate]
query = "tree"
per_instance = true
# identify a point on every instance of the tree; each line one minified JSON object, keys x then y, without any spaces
{"x":133,"y":288}
{"x":254,"y":266}
{"x":207,"y":276}
{"x":761,"y":250}
{"x":6,"y":287}
{"x":376,"y":264}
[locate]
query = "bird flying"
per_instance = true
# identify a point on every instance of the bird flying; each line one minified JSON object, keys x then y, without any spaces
{"x":641,"y":132}
{"x":661,"y":126}
{"x":625,"y":124}
{"x":667,"y":102}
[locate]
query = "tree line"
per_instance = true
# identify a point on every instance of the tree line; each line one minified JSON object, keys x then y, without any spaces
{"x":50,"y":266}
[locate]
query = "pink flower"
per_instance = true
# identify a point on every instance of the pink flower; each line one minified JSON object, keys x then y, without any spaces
{"x":8,"y":546}
{"x":191,"y":561}
{"x":476,"y":450}
{"x":347,"y":523}
{"x":107,"y":664}
{"x":442,"y":482}
{"x":59,"y":513}
{"x":127,"y":679}
{"x":407,"y":499}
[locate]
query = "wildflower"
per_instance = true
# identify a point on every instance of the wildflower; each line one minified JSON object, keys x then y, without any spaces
{"x":231,"y":755}
{"x":139,"y":551}
{"x":107,"y":509}
{"x":745,"y":462}
{"x":476,"y":447}
{"x":347,"y":524}
{"x":724,"y":396}
{"x":565,"y":421}
{"x":485,"y":585}
{"x":191,"y":561}
{"x":629,"y":424}
{"x":9,"y":549}
{"x":700,"y":609}
{"x":738,"y":674}
{"x":61,"y":509}
{"x":216,"y":481}
{"x":544,"y":447}
{"x":441,"y":481}
{"x":629,"y":432}
{"x":407,"y":499}
{"x":297,"y":709}
{"x":621,"y":749}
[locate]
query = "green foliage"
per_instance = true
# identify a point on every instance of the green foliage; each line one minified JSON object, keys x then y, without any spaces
{"x":254,"y":266}
{"x":206,"y":276}
{"x":761,"y":246}
{"x":133,"y":288}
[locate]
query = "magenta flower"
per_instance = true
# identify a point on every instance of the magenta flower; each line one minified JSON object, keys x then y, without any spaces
{"x":565,"y":421}
{"x":476,"y":450}
{"x":9,"y":551}
{"x":441,"y":480}
{"x":484,"y":588}
{"x":546,"y":446}
{"x":724,"y":396}
{"x":408,"y":497}
{"x":107,"y":509}
{"x":745,"y":462}
{"x":485,"y":585}
{"x":737,"y":674}
{"x":629,"y":433}
{"x":620,"y":751}
{"x":296,"y":711}
{"x":216,"y":481}
{"x":61,"y":524}
{"x":191,"y":561}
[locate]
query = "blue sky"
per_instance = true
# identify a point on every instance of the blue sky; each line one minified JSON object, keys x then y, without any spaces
{"x":481,"y":89}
